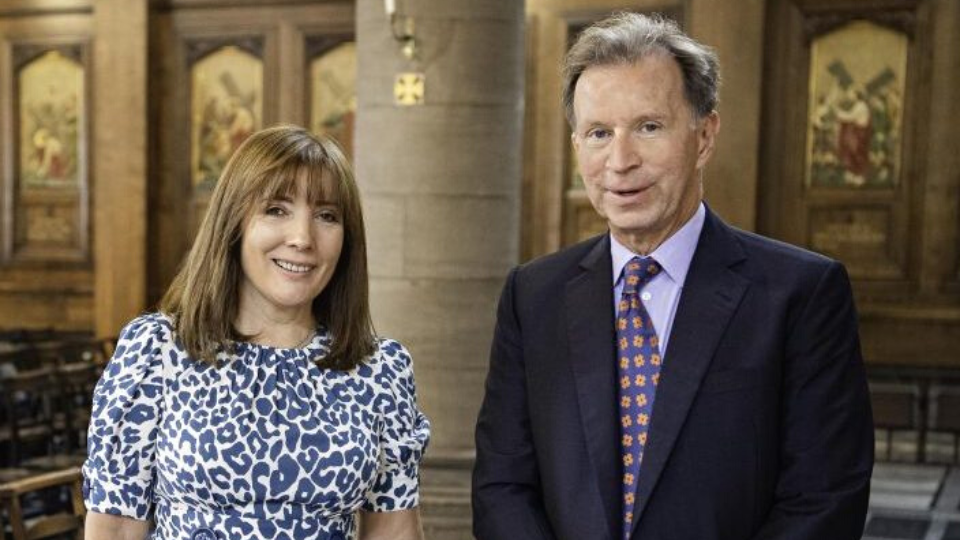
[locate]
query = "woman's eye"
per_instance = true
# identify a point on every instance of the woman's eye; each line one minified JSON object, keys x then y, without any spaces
{"x":328,"y":216}
{"x":274,"y":210}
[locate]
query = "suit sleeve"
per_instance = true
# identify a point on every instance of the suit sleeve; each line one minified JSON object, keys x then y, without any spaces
{"x":826,"y":453}
{"x":507,"y":498}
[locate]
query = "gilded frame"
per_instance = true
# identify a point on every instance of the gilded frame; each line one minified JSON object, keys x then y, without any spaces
{"x":226,"y":107}
{"x":331,"y":94}
{"x":47,"y":195}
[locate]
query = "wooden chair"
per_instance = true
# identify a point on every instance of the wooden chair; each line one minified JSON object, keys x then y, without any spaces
{"x":46,"y":525}
{"x":898,"y":409}
{"x":107,"y":346}
{"x":74,"y":383}
{"x":23,"y":359}
{"x":945,"y":412}
{"x":28,"y":410}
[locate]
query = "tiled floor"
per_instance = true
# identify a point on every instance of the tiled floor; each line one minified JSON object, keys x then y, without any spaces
{"x":914,"y":502}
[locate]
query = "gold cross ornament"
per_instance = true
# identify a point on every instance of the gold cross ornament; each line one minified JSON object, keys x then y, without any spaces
{"x":408,"y":89}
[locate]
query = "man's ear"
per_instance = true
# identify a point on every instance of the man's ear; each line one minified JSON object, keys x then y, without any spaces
{"x":707,"y":130}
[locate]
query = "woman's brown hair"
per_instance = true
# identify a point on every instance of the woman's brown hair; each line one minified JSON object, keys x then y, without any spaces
{"x":203,"y":298}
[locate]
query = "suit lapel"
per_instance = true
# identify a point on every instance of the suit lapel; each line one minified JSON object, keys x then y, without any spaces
{"x":710,"y":296}
{"x":588,"y":309}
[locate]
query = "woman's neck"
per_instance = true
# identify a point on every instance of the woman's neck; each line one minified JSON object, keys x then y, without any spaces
{"x":284,"y":330}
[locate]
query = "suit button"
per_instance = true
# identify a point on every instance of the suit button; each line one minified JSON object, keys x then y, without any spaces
{"x":203,"y":533}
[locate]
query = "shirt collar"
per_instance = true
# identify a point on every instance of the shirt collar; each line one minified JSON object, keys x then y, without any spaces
{"x":674,"y":254}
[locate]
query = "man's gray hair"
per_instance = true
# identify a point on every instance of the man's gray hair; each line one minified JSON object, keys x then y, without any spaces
{"x":625,"y":38}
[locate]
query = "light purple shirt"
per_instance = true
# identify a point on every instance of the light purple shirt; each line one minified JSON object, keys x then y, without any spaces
{"x":661,"y":295}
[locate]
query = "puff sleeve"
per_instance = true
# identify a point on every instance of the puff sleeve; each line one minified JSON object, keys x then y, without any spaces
{"x":124,"y":423}
{"x":404,"y":435}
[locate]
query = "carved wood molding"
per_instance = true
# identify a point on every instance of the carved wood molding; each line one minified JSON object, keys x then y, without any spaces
{"x":318,"y":45}
{"x":198,"y":48}
{"x":817,"y":24}
{"x":578,"y":20}
{"x":27,"y":8}
{"x":25,"y":53}
{"x":166,"y":5}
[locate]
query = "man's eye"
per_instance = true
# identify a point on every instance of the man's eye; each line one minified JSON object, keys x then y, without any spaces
{"x":649,"y":127}
{"x":598,"y":134}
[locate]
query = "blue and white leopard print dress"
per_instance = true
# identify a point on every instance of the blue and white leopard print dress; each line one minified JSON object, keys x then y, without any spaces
{"x":266,"y":446}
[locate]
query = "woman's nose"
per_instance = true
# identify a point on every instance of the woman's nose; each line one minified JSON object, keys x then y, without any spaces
{"x":300,"y":232}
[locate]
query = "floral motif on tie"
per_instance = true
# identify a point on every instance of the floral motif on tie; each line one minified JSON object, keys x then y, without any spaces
{"x":638,"y":373}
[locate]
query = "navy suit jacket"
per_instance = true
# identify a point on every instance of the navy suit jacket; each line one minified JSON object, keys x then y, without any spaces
{"x":761,"y":429}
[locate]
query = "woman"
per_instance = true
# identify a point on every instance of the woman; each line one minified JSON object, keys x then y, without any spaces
{"x":257,"y":403}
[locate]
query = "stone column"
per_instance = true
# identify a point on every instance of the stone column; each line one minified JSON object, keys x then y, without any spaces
{"x":441,"y":188}
{"x":119,"y":161}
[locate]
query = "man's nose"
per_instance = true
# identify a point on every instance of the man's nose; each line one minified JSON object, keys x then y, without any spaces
{"x":624,"y":154}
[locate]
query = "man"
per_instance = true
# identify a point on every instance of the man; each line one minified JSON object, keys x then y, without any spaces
{"x":676,"y":378}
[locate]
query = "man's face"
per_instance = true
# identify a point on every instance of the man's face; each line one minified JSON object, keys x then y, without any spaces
{"x":640,"y":148}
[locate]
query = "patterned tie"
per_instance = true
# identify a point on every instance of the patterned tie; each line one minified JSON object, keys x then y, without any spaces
{"x":638,"y":360}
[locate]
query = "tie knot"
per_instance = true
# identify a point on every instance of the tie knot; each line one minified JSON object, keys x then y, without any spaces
{"x":638,"y":272}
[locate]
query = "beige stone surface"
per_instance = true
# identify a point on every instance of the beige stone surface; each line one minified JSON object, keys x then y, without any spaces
{"x":441,"y":150}
{"x":465,"y":62}
{"x":453,"y":413}
{"x":444,"y":322}
{"x":460,"y":237}
{"x":447,"y":326}
{"x":384,"y":217}
{"x":453,"y":166}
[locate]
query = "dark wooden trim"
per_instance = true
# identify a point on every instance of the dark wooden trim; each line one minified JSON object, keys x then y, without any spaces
{"x":198,"y":48}
{"x":316,"y":45}
{"x":25,"y":53}
{"x":166,"y":5}
{"x":33,"y":8}
{"x":901,"y":21}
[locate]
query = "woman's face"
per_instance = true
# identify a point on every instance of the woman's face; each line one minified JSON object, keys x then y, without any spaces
{"x":289,"y":251}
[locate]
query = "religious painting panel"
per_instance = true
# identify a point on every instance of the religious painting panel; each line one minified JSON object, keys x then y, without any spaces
{"x":333,"y":95}
{"x":51,"y":93}
{"x":226,"y":108}
{"x":49,"y":212}
{"x":857,"y":86}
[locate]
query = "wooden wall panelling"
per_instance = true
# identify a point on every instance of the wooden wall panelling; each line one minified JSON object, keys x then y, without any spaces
{"x":183,"y":38}
{"x":876,"y":247}
{"x":735,"y":29}
{"x":281,"y":29}
{"x":940,"y":275}
{"x":43,"y":286}
{"x":28,"y":8}
{"x":121,"y":162}
{"x":899,"y":243}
